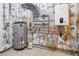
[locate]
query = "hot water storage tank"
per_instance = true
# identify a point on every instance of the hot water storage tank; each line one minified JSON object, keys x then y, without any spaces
{"x":19,"y":35}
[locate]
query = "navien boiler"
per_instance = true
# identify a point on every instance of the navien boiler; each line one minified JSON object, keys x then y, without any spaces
{"x":61,"y":14}
{"x":20,"y":35}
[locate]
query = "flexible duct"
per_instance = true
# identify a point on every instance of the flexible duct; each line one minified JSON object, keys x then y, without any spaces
{"x":32,"y":7}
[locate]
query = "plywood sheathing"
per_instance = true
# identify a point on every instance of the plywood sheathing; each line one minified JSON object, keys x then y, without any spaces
{"x":67,"y":27}
{"x":78,"y":19}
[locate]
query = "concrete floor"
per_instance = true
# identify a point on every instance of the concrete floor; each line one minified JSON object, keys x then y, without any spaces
{"x":33,"y":52}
